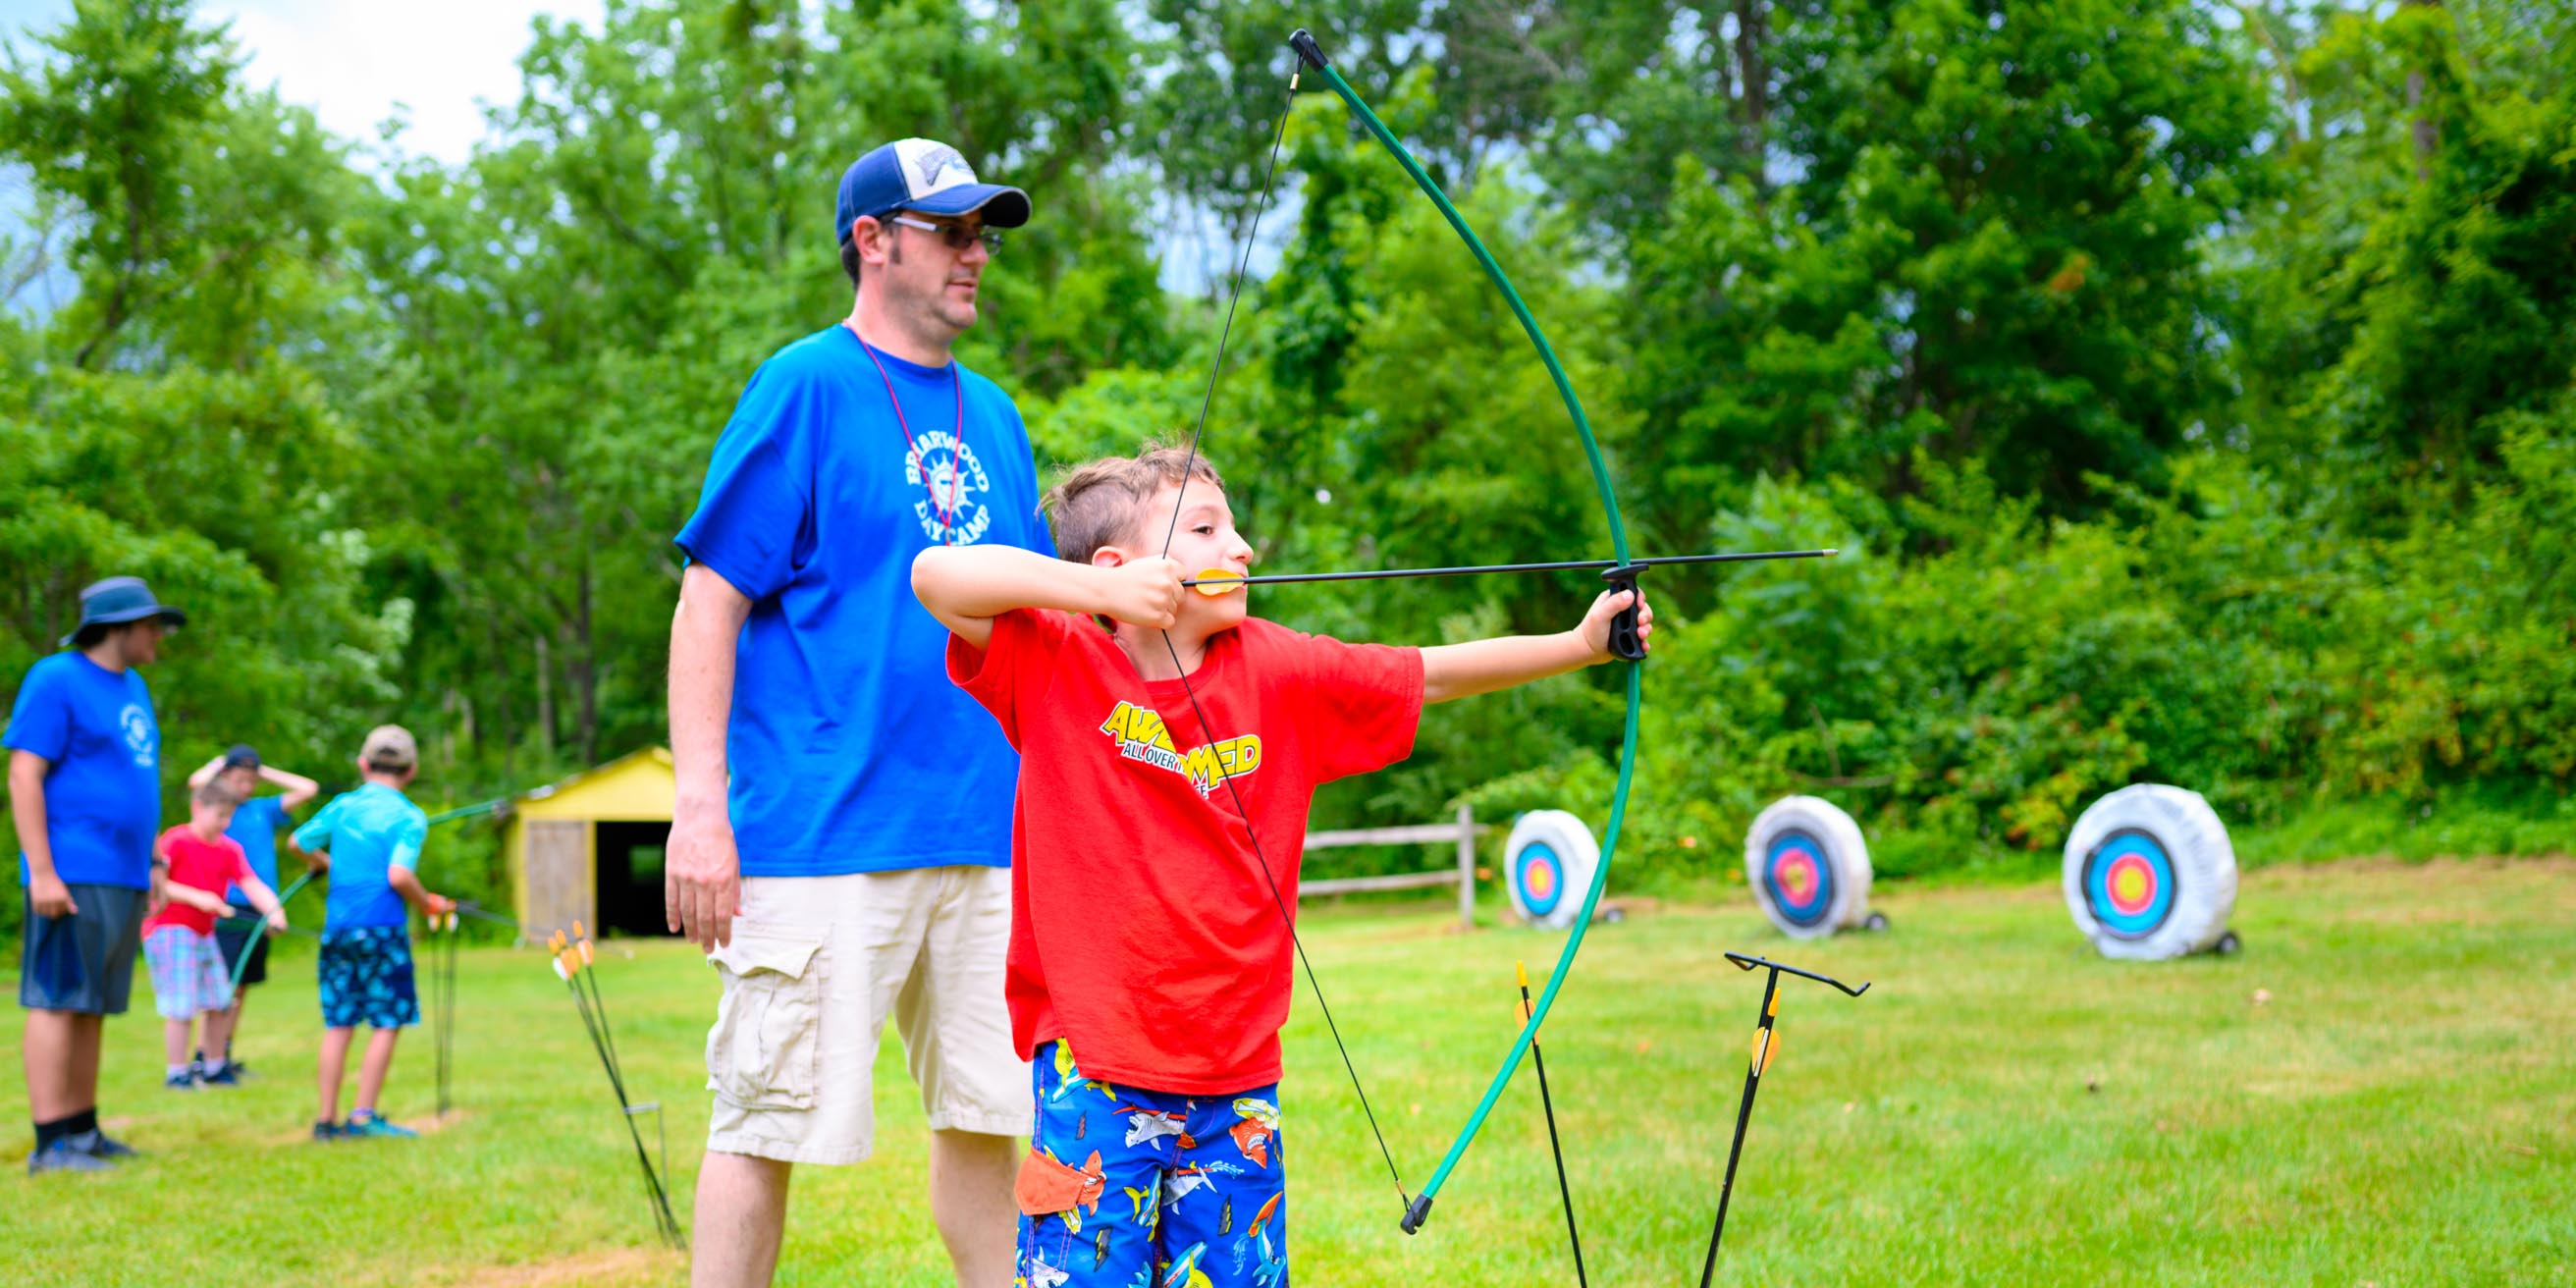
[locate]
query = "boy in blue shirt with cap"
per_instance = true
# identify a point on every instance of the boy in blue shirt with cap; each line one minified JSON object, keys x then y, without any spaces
{"x":85,"y":795}
{"x":373,"y":836}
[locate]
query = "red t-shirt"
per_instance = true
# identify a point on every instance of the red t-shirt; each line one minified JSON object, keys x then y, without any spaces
{"x":199,"y":864}
{"x":1142,"y":929}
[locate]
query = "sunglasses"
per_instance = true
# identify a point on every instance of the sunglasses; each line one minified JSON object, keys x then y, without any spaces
{"x":957,"y":236}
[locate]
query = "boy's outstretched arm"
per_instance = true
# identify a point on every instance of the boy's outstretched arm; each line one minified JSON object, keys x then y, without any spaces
{"x":966,"y":587}
{"x":1451,"y":671}
{"x":407,"y":885}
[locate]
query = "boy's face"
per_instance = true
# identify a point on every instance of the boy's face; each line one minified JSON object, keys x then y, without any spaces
{"x":1205,"y":538}
{"x":240,"y":780}
{"x":208,"y":820}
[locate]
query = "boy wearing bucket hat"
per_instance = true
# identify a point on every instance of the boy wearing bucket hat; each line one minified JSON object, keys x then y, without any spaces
{"x":85,"y":795}
{"x":840,"y":844}
{"x":373,"y":836}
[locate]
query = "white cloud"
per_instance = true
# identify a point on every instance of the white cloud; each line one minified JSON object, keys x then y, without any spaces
{"x":354,"y":61}
{"x":356,"y":64}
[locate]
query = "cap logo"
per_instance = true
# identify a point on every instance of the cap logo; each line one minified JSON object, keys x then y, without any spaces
{"x":935,"y":168}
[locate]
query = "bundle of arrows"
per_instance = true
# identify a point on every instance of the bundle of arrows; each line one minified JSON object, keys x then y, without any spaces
{"x":576,"y":965}
{"x":442,"y":997}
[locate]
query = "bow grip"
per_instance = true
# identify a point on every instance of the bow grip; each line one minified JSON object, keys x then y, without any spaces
{"x":1625,"y":643}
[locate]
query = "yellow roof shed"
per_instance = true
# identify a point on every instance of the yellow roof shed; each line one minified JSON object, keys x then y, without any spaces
{"x":589,"y":848}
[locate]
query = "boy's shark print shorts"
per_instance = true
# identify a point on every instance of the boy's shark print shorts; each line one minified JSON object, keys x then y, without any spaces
{"x":366,"y":978}
{"x":1125,"y":1187}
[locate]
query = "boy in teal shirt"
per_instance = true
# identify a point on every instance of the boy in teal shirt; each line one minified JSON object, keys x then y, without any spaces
{"x":373,"y":837}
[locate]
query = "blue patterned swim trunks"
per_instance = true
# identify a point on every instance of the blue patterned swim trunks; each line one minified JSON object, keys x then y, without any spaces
{"x":366,"y":978}
{"x":1123,"y":1186}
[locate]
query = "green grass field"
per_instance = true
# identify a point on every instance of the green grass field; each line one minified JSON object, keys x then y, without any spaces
{"x":2380,"y":1090}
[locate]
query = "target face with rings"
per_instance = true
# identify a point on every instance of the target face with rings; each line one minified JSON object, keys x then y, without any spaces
{"x":1808,"y":867}
{"x":1549,"y":864}
{"x":1540,"y":877}
{"x":2129,"y":884}
{"x":1799,"y":877}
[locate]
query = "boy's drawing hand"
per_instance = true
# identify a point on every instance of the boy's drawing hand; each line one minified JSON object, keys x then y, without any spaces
{"x":1596,"y":623}
{"x":277,"y":922}
{"x":1145,"y":592}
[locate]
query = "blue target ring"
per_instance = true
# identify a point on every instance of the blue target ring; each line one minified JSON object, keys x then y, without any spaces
{"x":1540,"y":877}
{"x":2129,"y":884}
{"x":1799,"y":878}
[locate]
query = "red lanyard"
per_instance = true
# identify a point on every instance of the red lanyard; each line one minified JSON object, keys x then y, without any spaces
{"x":956,"y":452}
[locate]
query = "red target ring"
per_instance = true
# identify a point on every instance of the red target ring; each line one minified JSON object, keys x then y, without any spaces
{"x":2132,"y":884}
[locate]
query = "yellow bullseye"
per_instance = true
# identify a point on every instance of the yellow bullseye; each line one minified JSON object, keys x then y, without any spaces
{"x":2129,"y":886}
{"x":1213,"y":582}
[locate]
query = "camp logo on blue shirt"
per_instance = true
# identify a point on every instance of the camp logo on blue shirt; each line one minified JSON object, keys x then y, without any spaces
{"x":254,"y":828}
{"x":849,"y":749}
{"x":102,"y":749}
{"x":369,"y":832}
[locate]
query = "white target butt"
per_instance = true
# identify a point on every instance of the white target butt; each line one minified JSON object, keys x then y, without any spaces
{"x":1809,"y":867}
{"x":2150,"y":874}
{"x":1549,"y":861}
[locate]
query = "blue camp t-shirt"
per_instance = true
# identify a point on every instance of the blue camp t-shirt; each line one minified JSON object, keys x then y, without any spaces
{"x":369,"y":832}
{"x":849,"y":749}
{"x":95,"y":729}
{"x":254,"y":828}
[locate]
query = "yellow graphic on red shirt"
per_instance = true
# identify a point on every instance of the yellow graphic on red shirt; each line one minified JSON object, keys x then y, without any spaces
{"x":1140,"y":735}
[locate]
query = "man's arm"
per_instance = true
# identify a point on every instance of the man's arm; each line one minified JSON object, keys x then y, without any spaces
{"x":701,"y":873}
{"x":299,"y":788}
{"x":46,"y":895}
{"x":966,"y":587}
{"x":1452,"y":671}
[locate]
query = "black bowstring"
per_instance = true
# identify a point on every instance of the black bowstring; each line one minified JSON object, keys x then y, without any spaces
{"x":1207,"y":732}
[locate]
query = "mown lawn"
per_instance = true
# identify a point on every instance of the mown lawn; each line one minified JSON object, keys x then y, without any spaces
{"x":2382,"y":1090}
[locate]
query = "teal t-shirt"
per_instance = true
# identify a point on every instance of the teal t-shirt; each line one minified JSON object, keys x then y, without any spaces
{"x":368,"y":832}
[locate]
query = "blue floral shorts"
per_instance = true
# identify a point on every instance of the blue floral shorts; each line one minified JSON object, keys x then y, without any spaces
{"x":1127,"y":1187}
{"x":366,"y":978}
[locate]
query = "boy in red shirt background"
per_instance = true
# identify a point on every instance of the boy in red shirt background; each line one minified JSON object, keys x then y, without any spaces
{"x":1156,"y":837}
{"x":189,"y":974}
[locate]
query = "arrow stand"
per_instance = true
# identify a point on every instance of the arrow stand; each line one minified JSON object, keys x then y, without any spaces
{"x":1765,"y":1042}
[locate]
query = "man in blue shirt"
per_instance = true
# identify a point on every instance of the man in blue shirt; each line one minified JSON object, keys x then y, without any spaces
{"x":840,"y":844}
{"x":85,"y":797}
{"x":373,"y":838}
{"x":256,"y":823}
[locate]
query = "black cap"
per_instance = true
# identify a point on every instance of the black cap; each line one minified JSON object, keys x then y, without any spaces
{"x":240,"y":756}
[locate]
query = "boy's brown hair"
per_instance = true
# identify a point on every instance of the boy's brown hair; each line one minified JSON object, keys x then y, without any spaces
{"x":213,"y":791}
{"x":1099,"y":503}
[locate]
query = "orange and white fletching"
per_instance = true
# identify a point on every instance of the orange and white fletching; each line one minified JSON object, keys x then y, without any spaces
{"x":1213,"y":582}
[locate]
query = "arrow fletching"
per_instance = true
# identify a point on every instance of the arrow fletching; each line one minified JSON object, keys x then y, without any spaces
{"x":1213,"y":582}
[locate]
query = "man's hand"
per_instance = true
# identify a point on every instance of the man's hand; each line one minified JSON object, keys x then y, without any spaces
{"x":51,"y":898}
{"x":1595,"y":629}
{"x":701,"y":876}
{"x":1144,"y":592}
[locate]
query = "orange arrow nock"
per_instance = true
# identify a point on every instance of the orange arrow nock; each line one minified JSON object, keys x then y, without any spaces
{"x":1213,"y":582}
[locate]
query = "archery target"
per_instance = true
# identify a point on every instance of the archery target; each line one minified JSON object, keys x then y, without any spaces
{"x":1549,"y":862}
{"x":2150,"y":873}
{"x":1808,"y":867}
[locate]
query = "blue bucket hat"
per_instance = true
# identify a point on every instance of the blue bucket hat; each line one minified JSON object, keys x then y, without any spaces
{"x":923,"y":175}
{"x":118,"y":600}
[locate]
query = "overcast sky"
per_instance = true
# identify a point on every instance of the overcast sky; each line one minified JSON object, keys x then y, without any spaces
{"x":356,"y":62}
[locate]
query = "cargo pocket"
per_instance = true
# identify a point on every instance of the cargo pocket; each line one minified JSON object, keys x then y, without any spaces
{"x":762,"y":1052}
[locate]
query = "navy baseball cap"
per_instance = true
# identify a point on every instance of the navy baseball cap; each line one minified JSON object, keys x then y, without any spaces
{"x":923,"y":175}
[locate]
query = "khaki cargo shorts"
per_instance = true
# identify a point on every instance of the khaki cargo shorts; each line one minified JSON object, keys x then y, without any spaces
{"x":815,"y":967}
